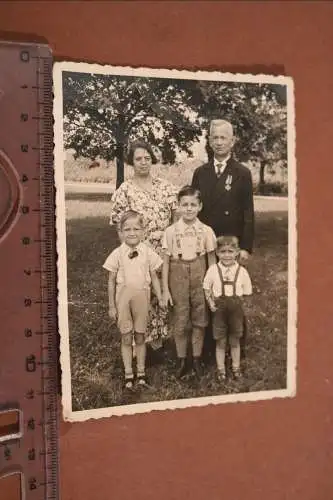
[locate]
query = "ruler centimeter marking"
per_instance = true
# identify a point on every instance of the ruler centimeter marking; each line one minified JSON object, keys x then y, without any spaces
{"x":35,"y":453}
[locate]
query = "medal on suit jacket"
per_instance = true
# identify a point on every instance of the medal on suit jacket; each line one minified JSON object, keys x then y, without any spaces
{"x":228,"y":182}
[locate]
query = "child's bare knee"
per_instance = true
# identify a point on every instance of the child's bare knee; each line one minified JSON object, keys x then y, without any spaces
{"x":234,"y":342}
{"x":127,"y":338}
{"x":221,"y":343}
{"x":139,"y":338}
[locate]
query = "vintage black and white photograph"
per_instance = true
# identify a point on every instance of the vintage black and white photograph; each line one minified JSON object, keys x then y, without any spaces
{"x":176,"y":238}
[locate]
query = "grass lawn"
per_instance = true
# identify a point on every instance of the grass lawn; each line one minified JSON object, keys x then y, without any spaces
{"x":96,"y":365}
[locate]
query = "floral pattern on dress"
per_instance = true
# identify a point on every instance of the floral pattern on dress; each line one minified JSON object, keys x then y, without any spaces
{"x":156,"y":207}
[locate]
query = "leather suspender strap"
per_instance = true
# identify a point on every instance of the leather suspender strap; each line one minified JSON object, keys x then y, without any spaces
{"x":178,"y":242}
{"x":221,"y":278}
{"x":233,"y":282}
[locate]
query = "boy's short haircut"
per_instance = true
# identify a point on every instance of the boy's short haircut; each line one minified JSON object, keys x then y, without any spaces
{"x":130,"y":214}
{"x":227,"y":241}
{"x":189,"y":191}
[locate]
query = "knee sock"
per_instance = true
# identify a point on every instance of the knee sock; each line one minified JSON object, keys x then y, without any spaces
{"x":127,"y":356}
{"x":181,"y":345}
{"x":220,"y":356}
{"x":197,"y":341}
{"x":141,"y":359}
{"x":235,"y":356}
{"x":140,"y":346}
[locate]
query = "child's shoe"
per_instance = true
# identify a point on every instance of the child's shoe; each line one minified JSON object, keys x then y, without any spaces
{"x":221,"y":376}
{"x":182,"y":368}
{"x":129,"y":384}
{"x":197,"y":367}
{"x":142,"y":382}
{"x":237,"y":374}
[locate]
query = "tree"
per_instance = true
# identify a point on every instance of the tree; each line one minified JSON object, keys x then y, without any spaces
{"x":259,"y":115}
{"x":102,"y":113}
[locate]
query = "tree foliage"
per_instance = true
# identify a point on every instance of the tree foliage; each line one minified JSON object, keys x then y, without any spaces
{"x":103,"y":113}
{"x":257,"y":112}
{"x":259,"y":115}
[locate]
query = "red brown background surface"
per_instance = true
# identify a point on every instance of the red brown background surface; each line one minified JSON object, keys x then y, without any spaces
{"x":279,"y":449}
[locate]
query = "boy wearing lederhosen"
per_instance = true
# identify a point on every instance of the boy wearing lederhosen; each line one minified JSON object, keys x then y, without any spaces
{"x":187,"y":245}
{"x":226,"y":286}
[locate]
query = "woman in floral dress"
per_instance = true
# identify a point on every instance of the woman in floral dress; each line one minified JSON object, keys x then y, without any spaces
{"x":156,"y":200}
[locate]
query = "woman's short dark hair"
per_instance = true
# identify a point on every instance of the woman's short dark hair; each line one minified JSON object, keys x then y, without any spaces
{"x":140,"y":144}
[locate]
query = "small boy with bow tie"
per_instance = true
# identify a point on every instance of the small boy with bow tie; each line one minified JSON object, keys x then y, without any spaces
{"x":132,"y":270}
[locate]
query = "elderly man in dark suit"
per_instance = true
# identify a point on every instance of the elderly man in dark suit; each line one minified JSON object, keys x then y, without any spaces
{"x":227,"y":196}
{"x":226,"y":189}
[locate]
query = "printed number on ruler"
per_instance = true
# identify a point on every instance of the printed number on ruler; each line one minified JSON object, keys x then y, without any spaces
{"x":27,"y":98}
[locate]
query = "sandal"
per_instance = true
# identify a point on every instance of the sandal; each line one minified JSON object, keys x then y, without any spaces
{"x":221,"y":376}
{"x":142,"y":382}
{"x":128,"y":384}
{"x":237,"y":374}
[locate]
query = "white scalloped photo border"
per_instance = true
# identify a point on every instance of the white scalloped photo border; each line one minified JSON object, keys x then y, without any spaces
{"x":290,"y":391}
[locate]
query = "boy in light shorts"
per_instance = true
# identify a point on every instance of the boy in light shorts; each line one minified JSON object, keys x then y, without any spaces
{"x":132,"y":270}
{"x":226,"y":286}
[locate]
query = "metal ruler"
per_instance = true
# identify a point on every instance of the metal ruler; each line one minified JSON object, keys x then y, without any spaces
{"x":29,"y":345}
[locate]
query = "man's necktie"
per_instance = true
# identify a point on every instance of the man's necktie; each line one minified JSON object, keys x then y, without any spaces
{"x":219,"y":167}
{"x":133,"y":254}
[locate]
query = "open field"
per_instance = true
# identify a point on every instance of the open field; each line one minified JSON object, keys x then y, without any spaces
{"x":96,"y":365}
{"x":97,"y":194}
{"x":79,"y":170}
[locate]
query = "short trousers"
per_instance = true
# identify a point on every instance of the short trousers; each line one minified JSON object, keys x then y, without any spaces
{"x":132,"y":309}
{"x":228,"y":319}
{"x":189,"y":303}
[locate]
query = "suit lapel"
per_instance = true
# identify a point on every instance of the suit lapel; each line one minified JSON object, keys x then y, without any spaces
{"x":231,"y":173}
{"x":210,"y":176}
{"x":230,"y":170}
{"x":215,"y":187}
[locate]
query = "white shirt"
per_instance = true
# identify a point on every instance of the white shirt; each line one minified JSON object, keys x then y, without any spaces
{"x":193,"y":239}
{"x":212,"y":281}
{"x":136,"y":271}
{"x":223,"y":163}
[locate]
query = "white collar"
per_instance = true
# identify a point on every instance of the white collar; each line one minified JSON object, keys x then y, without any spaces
{"x":127,"y":249}
{"x":228,"y":268}
{"x":222,"y":162}
{"x":183,"y":227}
